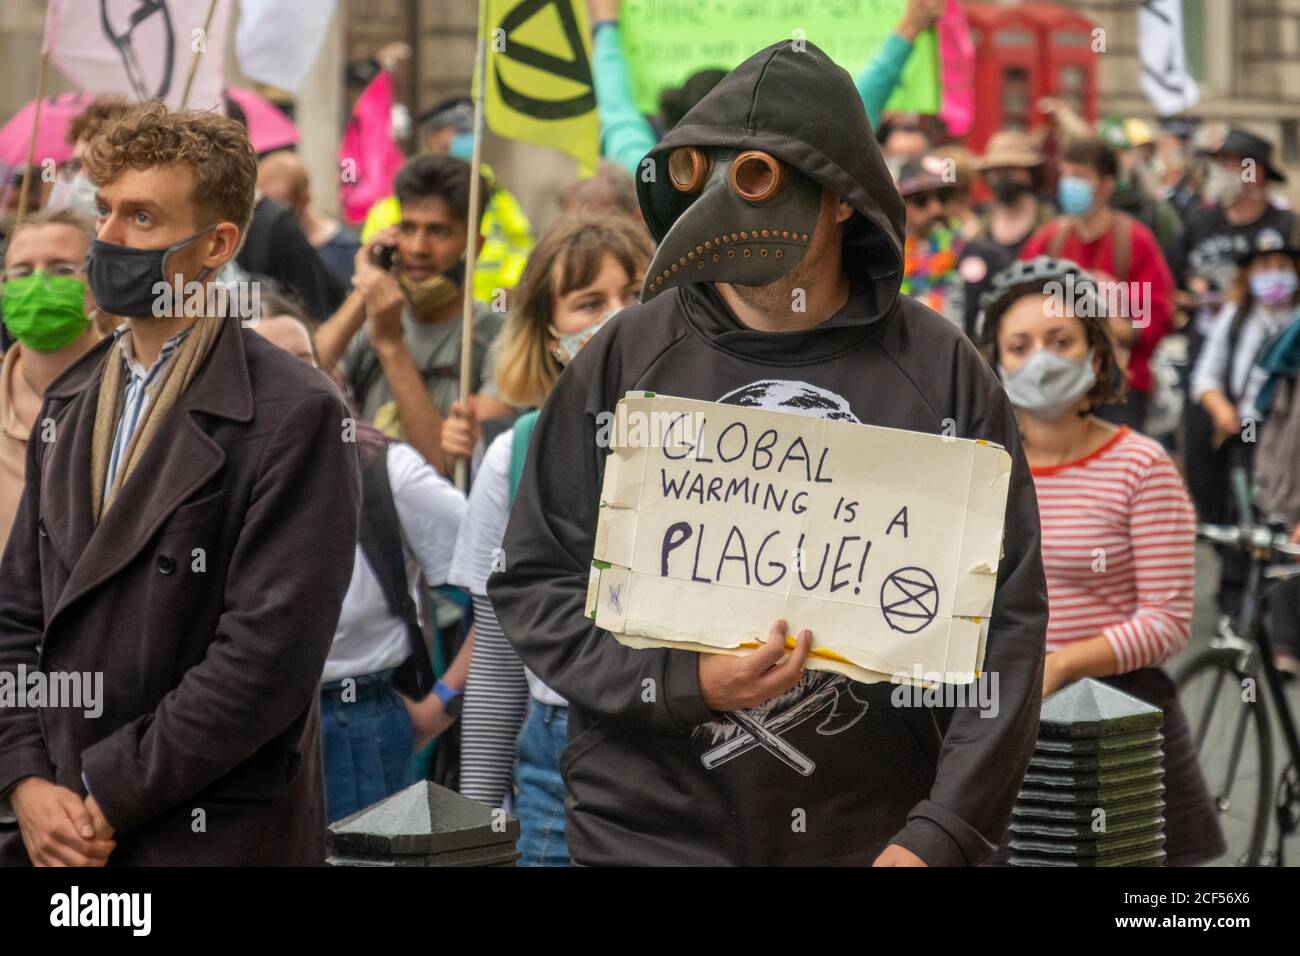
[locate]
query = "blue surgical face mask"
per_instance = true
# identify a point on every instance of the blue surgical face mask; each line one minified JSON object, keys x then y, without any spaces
{"x":1074,"y":196}
{"x":567,"y":346}
{"x":462,"y":146}
{"x":1273,"y":286}
{"x":1048,"y":385}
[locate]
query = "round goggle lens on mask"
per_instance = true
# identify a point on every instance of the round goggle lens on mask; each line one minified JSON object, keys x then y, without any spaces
{"x":757,"y":176}
{"x":688,"y":169}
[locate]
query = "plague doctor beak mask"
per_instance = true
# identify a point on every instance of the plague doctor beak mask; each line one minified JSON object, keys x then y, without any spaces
{"x":749,"y":219}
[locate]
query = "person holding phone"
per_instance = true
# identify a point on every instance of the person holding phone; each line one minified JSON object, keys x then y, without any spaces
{"x":397,"y":339}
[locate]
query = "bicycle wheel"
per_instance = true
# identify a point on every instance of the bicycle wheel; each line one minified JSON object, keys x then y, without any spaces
{"x":1235,"y":745}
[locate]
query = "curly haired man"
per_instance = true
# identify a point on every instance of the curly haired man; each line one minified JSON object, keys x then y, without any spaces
{"x":185,"y":538}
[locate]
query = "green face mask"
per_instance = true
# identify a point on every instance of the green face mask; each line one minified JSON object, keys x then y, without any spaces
{"x":45,"y":312}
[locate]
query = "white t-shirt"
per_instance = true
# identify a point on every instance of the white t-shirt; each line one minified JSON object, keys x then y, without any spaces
{"x":481,"y":534}
{"x":430,"y":510}
{"x":1218,"y":366}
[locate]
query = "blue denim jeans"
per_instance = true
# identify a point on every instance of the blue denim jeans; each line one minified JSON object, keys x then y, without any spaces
{"x":539,"y":790}
{"x":366,"y":743}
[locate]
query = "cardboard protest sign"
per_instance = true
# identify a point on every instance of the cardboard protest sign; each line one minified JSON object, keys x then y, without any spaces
{"x":665,"y":41}
{"x":718,"y":520}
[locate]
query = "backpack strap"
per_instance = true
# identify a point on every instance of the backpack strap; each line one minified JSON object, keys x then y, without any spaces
{"x":1121,"y":242}
{"x":1060,"y":227}
{"x":380,"y":537}
{"x":522,"y":435}
{"x":363,"y":374}
{"x":1121,"y":245}
{"x":1234,"y":343}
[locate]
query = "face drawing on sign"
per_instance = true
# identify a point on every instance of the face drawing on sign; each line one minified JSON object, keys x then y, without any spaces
{"x":120,"y":20}
{"x":759,"y":733}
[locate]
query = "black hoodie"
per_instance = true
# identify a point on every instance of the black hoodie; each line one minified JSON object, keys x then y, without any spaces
{"x":653,"y":776}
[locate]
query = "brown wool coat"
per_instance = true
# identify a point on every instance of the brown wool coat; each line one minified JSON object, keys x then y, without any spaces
{"x":207,"y":598}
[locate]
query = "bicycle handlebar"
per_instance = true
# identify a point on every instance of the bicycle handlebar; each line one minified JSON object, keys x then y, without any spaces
{"x":1252,"y":536}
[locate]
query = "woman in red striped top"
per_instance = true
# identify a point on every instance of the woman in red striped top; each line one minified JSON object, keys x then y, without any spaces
{"x":1118,"y":529}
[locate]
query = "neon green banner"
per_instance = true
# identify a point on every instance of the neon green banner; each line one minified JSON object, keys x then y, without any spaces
{"x":665,"y":41}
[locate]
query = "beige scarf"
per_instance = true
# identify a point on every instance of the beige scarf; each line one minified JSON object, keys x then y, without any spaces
{"x":164,"y":392}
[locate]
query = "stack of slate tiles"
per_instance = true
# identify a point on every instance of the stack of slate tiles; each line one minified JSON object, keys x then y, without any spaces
{"x":424,"y":825}
{"x":1094,"y":791}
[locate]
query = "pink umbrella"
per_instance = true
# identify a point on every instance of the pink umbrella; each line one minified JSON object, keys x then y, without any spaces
{"x":268,"y":127}
{"x":56,"y":113}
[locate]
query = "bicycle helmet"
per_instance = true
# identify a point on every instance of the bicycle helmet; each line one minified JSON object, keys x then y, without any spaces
{"x":1035,"y":276}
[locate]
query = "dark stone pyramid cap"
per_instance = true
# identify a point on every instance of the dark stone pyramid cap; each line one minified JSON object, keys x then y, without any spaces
{"x":1142,"y":806}
{"x":1149,"y":856}
{"x":1098,"y":745}
{"x":1103,"y":781}
{"x":1106,"y":848}
{"x":1089,"y":708}
{"x":1094,"y":797}
{"x":422,"y":819}
{"x":1028,"y":828}
{"x":1092,"y":763}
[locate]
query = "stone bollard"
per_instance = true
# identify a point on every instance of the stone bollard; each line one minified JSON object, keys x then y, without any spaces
{"x":424,"y":825}
{"x":1093,"y":794}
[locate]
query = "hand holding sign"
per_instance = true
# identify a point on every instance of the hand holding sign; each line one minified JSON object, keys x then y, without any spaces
{"x":734,"y":683}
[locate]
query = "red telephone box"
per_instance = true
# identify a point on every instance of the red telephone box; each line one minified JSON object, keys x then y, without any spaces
{"x":1008,"y":71}
{"x":1022,"y":54}
{"x":1069,"y":61}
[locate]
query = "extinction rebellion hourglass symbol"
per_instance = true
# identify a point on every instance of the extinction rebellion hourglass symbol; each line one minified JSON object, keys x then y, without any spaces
{"x":909,"y":599}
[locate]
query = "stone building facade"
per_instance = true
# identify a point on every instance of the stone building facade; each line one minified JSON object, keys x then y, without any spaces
{"x":1244,"y":53}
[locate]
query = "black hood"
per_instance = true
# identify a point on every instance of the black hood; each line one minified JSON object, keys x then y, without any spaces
{"x":792,"y":101}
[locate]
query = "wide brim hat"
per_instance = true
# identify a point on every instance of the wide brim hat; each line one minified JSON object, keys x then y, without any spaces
{"x":1011,"y":149}
{"x":1247,"y":145}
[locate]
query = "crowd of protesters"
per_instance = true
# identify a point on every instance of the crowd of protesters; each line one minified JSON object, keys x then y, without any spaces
{"x":1171,"y":361}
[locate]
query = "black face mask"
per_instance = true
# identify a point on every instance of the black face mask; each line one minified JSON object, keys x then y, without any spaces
{"x":1008,"y":191}
{"x":751,"y":222}
{"x":124,"y":279}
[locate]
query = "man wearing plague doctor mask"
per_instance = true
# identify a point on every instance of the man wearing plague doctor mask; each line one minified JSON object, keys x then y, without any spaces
{"x":775,"y":284}
{"x":186,"y":537}
{"x":397,"y":339}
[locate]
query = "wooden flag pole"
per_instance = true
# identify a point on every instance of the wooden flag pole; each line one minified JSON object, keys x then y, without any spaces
{"x":31,"y":146}
{"x":194,"y":64}
{"x":471,"y":250}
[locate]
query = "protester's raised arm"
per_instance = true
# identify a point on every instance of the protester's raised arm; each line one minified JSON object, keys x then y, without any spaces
{"x":333,"y":338}
{"x":625,"y":135}
{"x":877,"y":80}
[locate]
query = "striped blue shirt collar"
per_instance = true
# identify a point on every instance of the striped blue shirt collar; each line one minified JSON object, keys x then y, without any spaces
{"x":137,"y":392}
{"x":126,"y":346}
